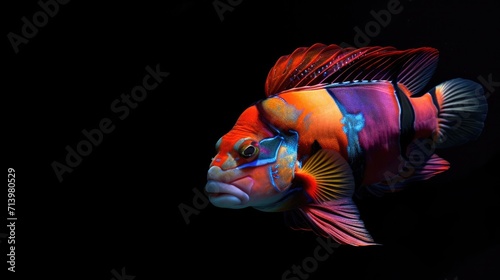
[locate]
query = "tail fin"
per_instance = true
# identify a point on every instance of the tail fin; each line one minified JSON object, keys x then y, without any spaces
{"x":462,"y":111}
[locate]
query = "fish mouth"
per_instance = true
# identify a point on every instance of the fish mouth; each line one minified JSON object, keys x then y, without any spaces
{"x":226,"y":195}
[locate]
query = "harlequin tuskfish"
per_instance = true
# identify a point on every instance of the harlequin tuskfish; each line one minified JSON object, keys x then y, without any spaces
{"x":334,"y":122}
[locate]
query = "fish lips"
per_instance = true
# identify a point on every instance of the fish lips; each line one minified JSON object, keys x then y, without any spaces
{"x":229,"y":195}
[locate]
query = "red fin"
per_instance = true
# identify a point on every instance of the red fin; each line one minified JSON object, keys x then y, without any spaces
{"x":324,"y":64}
{"x":290,"y":70}
{"x":337,"y":219}
{"x":432,"y":167}
{"x":326,"y":176}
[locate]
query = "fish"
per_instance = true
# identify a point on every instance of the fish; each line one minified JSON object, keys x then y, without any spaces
{"x":337,"y":123}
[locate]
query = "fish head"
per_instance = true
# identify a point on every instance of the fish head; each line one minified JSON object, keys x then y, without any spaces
{"x":254,"y":164}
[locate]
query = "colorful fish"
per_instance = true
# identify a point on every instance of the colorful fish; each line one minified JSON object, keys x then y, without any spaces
{"x":336,"y":122}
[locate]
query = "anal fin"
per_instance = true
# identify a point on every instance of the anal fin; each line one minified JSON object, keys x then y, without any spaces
{"x":413,"y":172}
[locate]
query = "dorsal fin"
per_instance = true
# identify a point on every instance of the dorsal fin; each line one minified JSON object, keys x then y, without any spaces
{"x":324,"y":64}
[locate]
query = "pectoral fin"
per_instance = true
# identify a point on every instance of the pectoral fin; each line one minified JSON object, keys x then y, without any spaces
{"x":327,"y":178}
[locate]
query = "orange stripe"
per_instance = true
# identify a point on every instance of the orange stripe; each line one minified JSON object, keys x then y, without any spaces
{"x":319,"y":119}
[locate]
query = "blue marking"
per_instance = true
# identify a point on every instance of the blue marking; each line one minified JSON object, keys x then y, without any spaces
{"x":353,"y":124}
{"x":271,"y":178}
{"x":275,"y":173}
{"x":268,"y":152}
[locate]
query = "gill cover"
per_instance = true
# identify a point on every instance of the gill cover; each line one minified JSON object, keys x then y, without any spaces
{"x":281,"y":150}
{"x":279,"y":155}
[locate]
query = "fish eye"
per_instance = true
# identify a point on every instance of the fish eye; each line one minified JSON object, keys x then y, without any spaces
{"x":248,"y":150}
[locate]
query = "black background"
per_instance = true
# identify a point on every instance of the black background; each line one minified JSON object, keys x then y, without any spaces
{"x":119,"y":208}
